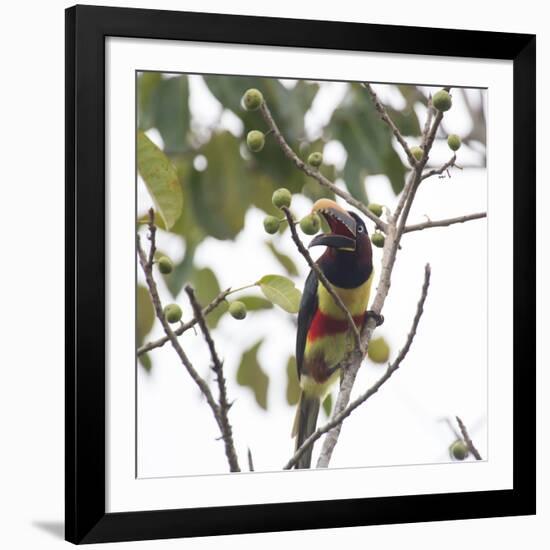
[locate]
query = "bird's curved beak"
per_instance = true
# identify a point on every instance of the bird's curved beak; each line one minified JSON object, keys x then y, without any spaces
{"x":342,"y":226}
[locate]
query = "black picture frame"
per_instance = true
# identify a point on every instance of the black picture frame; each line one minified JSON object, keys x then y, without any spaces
{"x":86,"y":30}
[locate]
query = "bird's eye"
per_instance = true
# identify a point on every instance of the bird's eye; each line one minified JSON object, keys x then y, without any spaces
{"x":360,"y":229}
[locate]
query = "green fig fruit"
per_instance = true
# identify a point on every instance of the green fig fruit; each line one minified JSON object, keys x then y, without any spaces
{"x":378,"y":239}
{"x":454,"y":142}
{"x":281,"y":197}
{"x":417,"y":152}
{"x":376,"y":209}
{"x":459,"y":450}
{"x":252,"y":99}
{"x":442,"y":100}
{"x":315,"y":159}
{"x":271,"y":224}
{"x":237,"y":310}
{"x":172,"y":313}
{"x":310,"y":224}
{"x":255,"y":140}
{"x":378,"y":350}
{"x":165,"y":265}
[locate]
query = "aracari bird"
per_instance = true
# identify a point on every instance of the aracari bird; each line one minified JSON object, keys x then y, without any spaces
{"x":324,"y":337}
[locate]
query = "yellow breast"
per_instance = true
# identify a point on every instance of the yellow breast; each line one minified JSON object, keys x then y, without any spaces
{"x":355,"y":299}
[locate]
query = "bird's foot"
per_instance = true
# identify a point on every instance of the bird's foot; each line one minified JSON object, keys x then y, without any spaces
{"x":378,"y":317}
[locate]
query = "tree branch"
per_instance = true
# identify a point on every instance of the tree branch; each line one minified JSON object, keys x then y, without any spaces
{"x":444,"y":223}
{"x":313,"y":172}
{"x":441,"y":169}
{"x":185,"y":326}
{"x":467,"y":439}
{"x":395,"y":226}
{"x":147,"y":266}
{"x":386,"y":118}
{"x":429,"y":118}
{"x":217,"y":367}
{"x":321,"y":276}
{"x":337,"y":419}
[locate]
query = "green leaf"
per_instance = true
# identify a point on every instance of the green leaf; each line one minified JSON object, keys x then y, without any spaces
{"x":288,"y":105}
{"x":281,"y":291}
{"x":206,"y":287}
{"x":145,"y":314}
{"x":221,"y":193}
{"x":161,"y":180}
{"x":182,"y":270}
{"x":171,"y":112}
{"x":255,"y":303}
{"x":368,"y":143}
{"x":251,"y":375}
{"x":145,"y":362}
{"x":406,"y":120}
{"x":147,"y":85}
{"x":395,"y":171}
{"x":327,"y":404}
{"x":283,"y":259}
{"x":292,"y":385}
{"x":145,"y":318}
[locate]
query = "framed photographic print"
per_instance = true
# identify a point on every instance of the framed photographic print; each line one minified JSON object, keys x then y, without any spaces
{"x":300,"y":274}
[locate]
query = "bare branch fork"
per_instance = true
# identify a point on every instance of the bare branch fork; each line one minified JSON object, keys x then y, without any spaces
{"x":185,"y":326}
{"x":436,"y":171}
{"x":217,"y":367}
{"x":336,"y":420}
{"x":218,"y":410}
{"x":394,"y":230}
{"x":468,"y":439}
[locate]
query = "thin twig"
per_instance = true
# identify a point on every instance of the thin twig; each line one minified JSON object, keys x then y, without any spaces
{"x":386,"y":118}
{"x":217,"y":367}
{"x":313,"y":172}
{"x":441,"y":169}
{"x":416,"y":178}
{"x":429,"y":118}
{"x":444,"y":223}
{"x":322,"y":277}
{"x":392,"y":367}
{"x":250,"y":461}
{"x":147,"y":266}
{"x":467,"y":439}
{"x":185,"y":326}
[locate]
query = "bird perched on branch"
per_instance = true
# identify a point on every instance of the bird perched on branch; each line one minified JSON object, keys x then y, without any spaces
{"x":324,"y":337}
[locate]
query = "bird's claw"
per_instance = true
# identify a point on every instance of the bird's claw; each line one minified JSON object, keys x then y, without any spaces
{"x":378,"y":317}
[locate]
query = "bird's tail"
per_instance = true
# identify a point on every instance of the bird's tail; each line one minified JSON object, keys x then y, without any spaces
{"x":305,"y":423}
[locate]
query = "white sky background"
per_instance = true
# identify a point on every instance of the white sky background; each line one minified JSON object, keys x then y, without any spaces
{"x":444,"y":374}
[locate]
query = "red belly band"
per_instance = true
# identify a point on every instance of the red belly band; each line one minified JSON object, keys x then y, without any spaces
{"x":324,"y":325}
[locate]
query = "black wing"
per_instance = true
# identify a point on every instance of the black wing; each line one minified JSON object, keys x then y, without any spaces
{"x":308,"y":307}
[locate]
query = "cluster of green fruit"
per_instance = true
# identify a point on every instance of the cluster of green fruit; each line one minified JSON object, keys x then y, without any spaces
{"x":252,"y":100}
{"x":311,"y":224}
{"x":282,"y":198}
{"x":442,"y":101}
{"x":173,"y":312}
{"x":377,"y":238}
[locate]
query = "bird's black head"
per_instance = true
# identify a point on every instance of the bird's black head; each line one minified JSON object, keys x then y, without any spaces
{"x":348,"y":258}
